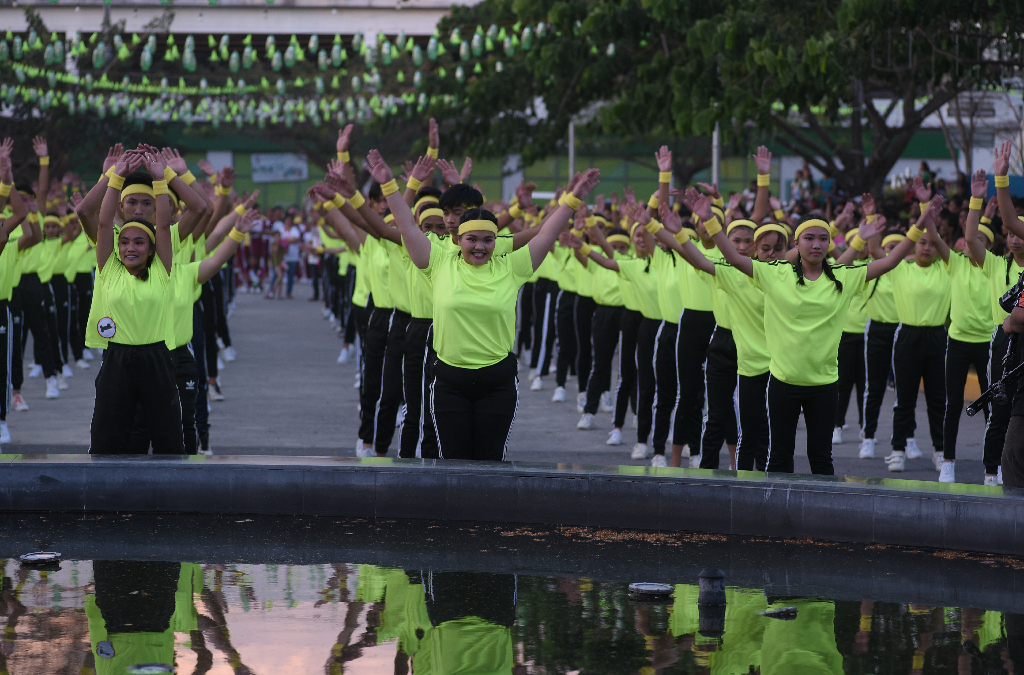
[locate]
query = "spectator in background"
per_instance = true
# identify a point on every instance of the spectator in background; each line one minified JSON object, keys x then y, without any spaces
{"x":291,"y":240}
{"x":925,"y":172}
{"x":311,"y":245}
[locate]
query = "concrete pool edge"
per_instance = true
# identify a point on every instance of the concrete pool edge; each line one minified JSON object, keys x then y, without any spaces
{"x":885,"y":512}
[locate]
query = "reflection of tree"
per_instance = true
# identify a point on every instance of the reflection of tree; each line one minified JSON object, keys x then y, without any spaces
{"x":215,"y":627}
{"x":11,"y":605}
{"x":342,"y":651}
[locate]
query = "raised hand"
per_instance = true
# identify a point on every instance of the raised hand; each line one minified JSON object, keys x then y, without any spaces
{"x":1001,"y":165}
{"x":569,"y":240}
{"x":128,"y":162}
{"x":467,"y":168}
{"x":39,"y":145}
{"x":433,"y":136}
{"x":990,"y":208}
{"x":698,"y":203}
{"x":227,"y":177}
{"x":175,"y":160}
{"x":922,"y":192}
{"x":6,"y":147}
{"x":873,"y":229}
{"x":629,"y":196}
{"x":979,"y":186}
{"x":710,"y":188}
{"x":930,"y":211}
{"x":378,"y":168}
{"x":775,"y":203}
{"x":424,"y":167}
{"x":867,"y":204}
{"x":344,"y":136}
{"x":734,"y":201}
{"x":5,"y":169}
{"x":586,"y":182}
{"x":448,"y":172}
{"x":155,"y":165}
{"x":76,"y":199}
{"x":670,"y":219}
{"x":664,"y":158}
{"x":247,"y":220}
{"x":112,"y":155}
{"x":524,"y":191}
{"x":340,"y":182}
{"x":763,"y":160}
{"x":251,"y":199}
{"x":206,"y":167}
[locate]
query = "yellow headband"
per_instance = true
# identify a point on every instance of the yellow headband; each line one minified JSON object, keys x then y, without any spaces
{"x":53,"y":219}
{"x":135,"y":223}
{"x":137,"y":189}
{"x":988,"y":232}
{"x":770,"y":227}
{"x":718,"y":212}
{"x":620,"y":238}
{"x":427,"y":213}
{"x":814,"y":222}
{"x":850,"y":234}
{"x":389,"y":218}
{"x":689,"y":232}
{"x":740,"y":222}
{"x":891,"y":238}
{"x":429,"y":199}
{"x":478,"y":226}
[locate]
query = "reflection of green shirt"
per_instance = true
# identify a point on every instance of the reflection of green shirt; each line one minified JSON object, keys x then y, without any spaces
{"x":685,"y":618}
{"x":466,"y":646}
{"x":805,"y":645}
{"x":405,"y":612}
{"x":744,"y":628}
{"x":372,"y":583}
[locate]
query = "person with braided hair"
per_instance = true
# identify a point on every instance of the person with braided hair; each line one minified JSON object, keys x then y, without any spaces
{"x":805,"y":308}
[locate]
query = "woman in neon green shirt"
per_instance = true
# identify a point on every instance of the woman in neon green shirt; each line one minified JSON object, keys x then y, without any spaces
{"x":474,"y":395}
{"x":805,"y":308}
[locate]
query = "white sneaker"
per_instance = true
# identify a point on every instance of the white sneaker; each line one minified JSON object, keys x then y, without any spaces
{"x":641,"y":451}
{"x":87,"y":354}
{"x":51,"y":387}
{"x":658,"y":461}
{"x":220,"y":343}
{"x":685,"y":451}
{"x":913,"y":452}
{"x":947,"y":473}
{"x":220,"y":364}
{"x":327,"y":312}
{"x":83,"y":364}
{"x":559,"y":395}
{"x":19,"y":403}
{"x":867,"y":448}
{"x":230,"y":354}
{"x":991,"y":481}
{"x":363,"y":451}
{"x":837,"y":436}
{"x":586,"y":422}
{"x":213,"y":393}
{"x":999,"y":475}
{"x":614,"y":437}
{"x":62,"y":384}
{"x":694,"y":461}
{"x":343,"y":356}
{"x":66,"y":371}
{"x":533,"y":374}
{"x":607,"y":404}
{"x":537,"y":385}
{"x":938,"y":458}
{"x":634,"y":423}
{"x":5,"y":433}
{"x":36,"y":371}
{"x":897,"y":461}
{"x":581,"y":401}
{"x":207,"y":453}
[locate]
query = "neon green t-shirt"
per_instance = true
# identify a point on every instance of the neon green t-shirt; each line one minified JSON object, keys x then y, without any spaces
{"x":804,"y":322}
{"x":398,"y":274}
{"x":921,"y":293}
{"x":361,"y":290}
{"x":857,"y":316}
{"x":41,"y":259}
{"x":693,"y":290}
{"x":604,"y":285}
{"x":475,"y":306}
{"x":584,"y":280}
{"x":879,"y":301}
{"x":720,"y":305}
{"x":970,"y":308}
{"x":184,"y":283}
{"x":566,"y":268}
{"x":747,"y":315}
{"x":9,"y":264}
{"x":138,"y":312}
{"x":642,"y":281}
{"x":375,"y":260}
{"x":670,"y":295}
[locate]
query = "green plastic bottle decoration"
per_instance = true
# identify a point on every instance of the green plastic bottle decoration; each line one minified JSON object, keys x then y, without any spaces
{"x":235,"y":62}
{"x":202,"y":85}
{"x":611,"y":49}
{"x":357,"y":42}
{"x":276,"y":62}
{"x":510,"y":50}
{"x":319,"y":84}
{"x":314,"y":44}
{"x":17,"y":48}
{"x":417,"y":79}
{"x":241,"y":86}
{"x":336,"y":55}
{"x":99,"y":55}
{"x":527,"y":39}
{"x":32,"y":38}
{"x":280,"y":86}
{"x":88,"y":79}
{"x":163,"y":85}
{"x":498,"y":67}
{"x":432,"y":49}
{"x":51,"y":79}
{"x":125,"y":84}
{"x":477,"y":45}
{"x":455,"y":37}
{"x":188,"y":61}
{"x":5,"y":51}
{"x":460,"y":75}
{"x":400,"y":77}
{"x":357,"y":84}
{"x":417,"y":56}
{"x":58,"y":52}
{"x":48,"y":55}
{"x":464,"y":51}
{"x":247,"y":57}
{"x":271,"y":46}
{"x":289,"y":56}
{"x":400,"y":39}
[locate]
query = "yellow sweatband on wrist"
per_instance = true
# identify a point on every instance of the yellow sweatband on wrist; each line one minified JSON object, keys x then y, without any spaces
{"x":865,"y":622}
{"x":516,"y":211}
{"x":414,"y":184}
{"x":213,"y":179}
{"x":585,"y":249}
{"x":977,"y":203}
{"x":222,"y":191}
{"x":713,"y":226}
{"x":432,"y":152}
{"x":577,"y":233}
{"x":160,"y":188}
{"x":764,"y":180}
{"x":615,"y":207}
{"x":718,"y":201}
{"x":235,"y":235}
{"x":44,"y":161}
{"x":169,"y":174}
{"x":572,"y":201}
{"x":985,"y":220}
{"x":918,"y":661}
{"x":344,"y":157}
{"x":389,"y":188}
{"x":857,"y":243}
{"x":338,"y":201}
{"x":914,"y":233}
{"x":1002,"y":181}
{"x":684,"y":235}
{"x":240,"y":209}
{"x":109,"y":172}
{"x":357,"y":200}
{"x":664,"y":176}
{"x":780,"y":214}
{"x":654,"y":227}
{"x":188,"y":178}
{"x":652,"y":203}
{"x":5,"y":189}
{"x":116,"y":181}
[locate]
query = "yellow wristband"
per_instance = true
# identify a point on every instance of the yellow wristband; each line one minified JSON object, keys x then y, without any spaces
{"x":432,"y":152}
{"x":664,"y":176}
{"x":109,"y":172}
{"x":683,"y":235}
{"x":414,"y":184}
{"x":653,"y":201}
{"x":713,"y":226}
{"x":572,"y":201}
{"x":865,"y":622}
{"x":235,"y":235}
{"x":577,"y":233}
{"x":516,"y":211}
{"x":977,"y":203}
{"x":338,"y":201}
{"x":585,"y":249}
{"x":389,"y":188}
{"x":160,"y":188}
{"x":213,"y":179}
{"x":222,"y":191}
{"x":654,"y":227}
{"x":116,"y":181}
{"x":985,"y":220}
{"x":344,"y":157}
{"x":763,"y":180}
{"x":918,"y":661}
{"x":240,"y":209}
{"x":718,"y":201}
{"x":357,"y":200}
{"x":615,"y":207}
{"x":857,"y":243}
{"x":188,"y":178}
{"x":1002,"y":181}
{"x":44,"y":161}
{"x":169,"y":174}
{"x":780,"y":214}
{"x":914,"y":233}
{"x":5,"y":189}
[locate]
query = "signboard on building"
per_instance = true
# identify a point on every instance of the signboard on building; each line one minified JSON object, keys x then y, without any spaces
{"x":279,"y":167}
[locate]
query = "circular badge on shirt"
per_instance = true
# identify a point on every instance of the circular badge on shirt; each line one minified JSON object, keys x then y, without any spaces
{"x":106,"y":328}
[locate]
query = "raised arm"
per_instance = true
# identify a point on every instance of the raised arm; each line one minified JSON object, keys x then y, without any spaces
{"x":416,"y":242}
{"x":762,"y":204}
{"x":155,"y":164}
{"x":979,"y":188}
{"x":229,"y":221}
{"x":181,"y":182}
{"x":1001,"y":168}
{"x":6,"y":177}
{"x":698,"y":203}
{"x":664,"y":159}
{"x":673,"y":224}
{"x":570,"y":240}
{"x":555,"y":223}
{"x":877,"y":268}
{"x":424,"y":167}
{"x":18,"y":208}
{"x":126,"y":163}
{"x":242,"y":224}
{"x":43,"y":189}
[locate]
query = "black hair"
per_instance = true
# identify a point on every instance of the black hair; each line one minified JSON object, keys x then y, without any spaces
{"x":427,"y":191}
{"x":25,"y":188}
{"x":375,"y":194}
{"x":617,"y":230}
{"x":144,"y":273}
{"x":138,"y":178}
{"x":461,"y":195}
{"x":825,"y":267}
{"x":478,"y":214}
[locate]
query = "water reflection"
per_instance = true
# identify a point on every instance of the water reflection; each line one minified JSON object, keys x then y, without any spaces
{"x":108,"y":616}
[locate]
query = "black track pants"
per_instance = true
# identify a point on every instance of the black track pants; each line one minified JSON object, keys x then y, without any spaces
{"x":35,"y":298}
{"x":209,"y":328}
{"x":371,"y":377}
{"x":186,"y":375}
{"x":666,"y":384}
{"x":719,"y":388}
{"x":877,"y":364}
{"x":585,"y":308}
{"x":999,"y":415}
{"x":219,"y":299}
{"x":626,"y":389}
{"x":960,"y":356}
{"x":62,"y":303}
{"x":129,"y":376}
{"x":692,"y":338}
{"x":474,"y":409}
{"x":918,"y":352}
{"x":6,"y":351}
{"x":565,"y":333}
{"x":646,"y":380}
{"x":16,"y":338}
{"x":545,"y":295}
{"x":418,"y":437}
{"x":605,"y":336}
{"x":83,"y":287}
{"x":851,"y":374}
{"x":753,"y":446}
{"x":785,"y":401}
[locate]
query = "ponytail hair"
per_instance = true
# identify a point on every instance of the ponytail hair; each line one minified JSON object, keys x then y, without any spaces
{"x":825,"y":267}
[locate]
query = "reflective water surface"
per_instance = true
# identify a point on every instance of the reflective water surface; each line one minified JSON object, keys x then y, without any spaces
{"x":110,"y":616}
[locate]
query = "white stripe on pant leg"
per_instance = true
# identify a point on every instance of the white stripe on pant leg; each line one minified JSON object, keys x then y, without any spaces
{"x":504,"y":450}
{"x":380,"y":397}
{"x":867,"y":375}
{"x":896,"y":398}
{"x":988,"y":418}
{"x":618,"y":381}
{"x":707,"y":396}
{"x":544,"y":356}
{"x":739,"y":422}
{"x":423,"y":386}
{"x":654,"y":365}
{"x":768,"y":412}
{"x":433,"y":416}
